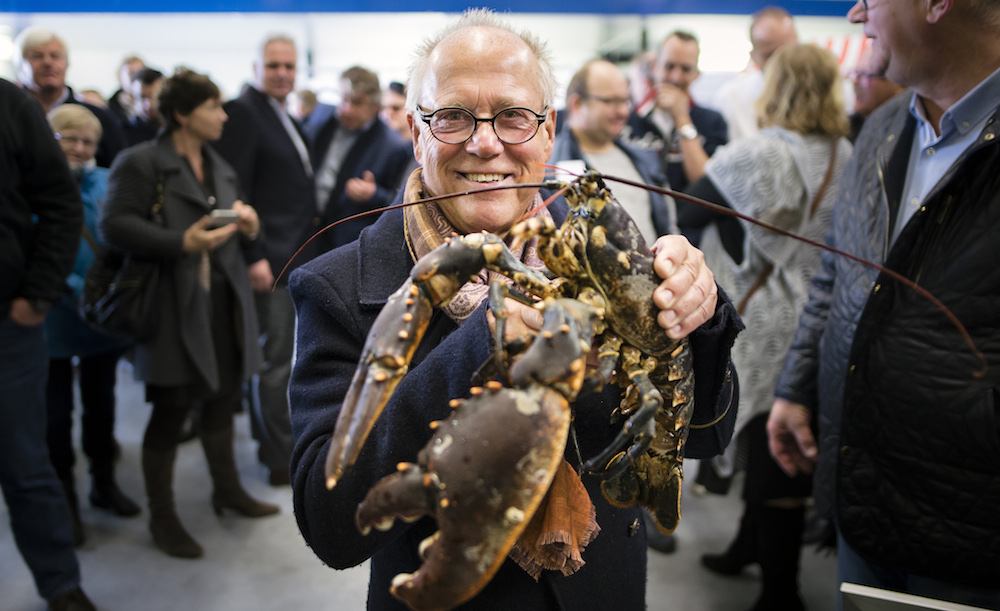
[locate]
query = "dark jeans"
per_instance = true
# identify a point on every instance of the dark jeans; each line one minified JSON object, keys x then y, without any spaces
{"x":98,"y":374}
{"x":269,"y":421}
{"x":853,"y":568}
{"x":39,"y":513}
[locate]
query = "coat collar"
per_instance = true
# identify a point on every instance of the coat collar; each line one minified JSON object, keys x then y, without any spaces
{"x":169,"y":162}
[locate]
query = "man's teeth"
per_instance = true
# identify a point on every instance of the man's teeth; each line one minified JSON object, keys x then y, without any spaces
{"x":485,"y":177}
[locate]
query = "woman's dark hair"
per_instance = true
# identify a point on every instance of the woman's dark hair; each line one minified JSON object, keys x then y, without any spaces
{"x":182,"y":93}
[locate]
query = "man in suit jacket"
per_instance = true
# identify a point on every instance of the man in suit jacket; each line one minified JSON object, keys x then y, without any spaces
{"x":360,"y":160}
{"x":683,"y":133}
{"x":41,"y":62}
{"x":271,"y":158}
{"x":597,"y":104}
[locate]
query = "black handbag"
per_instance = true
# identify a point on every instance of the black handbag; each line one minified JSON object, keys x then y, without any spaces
{"x":120,"y":290}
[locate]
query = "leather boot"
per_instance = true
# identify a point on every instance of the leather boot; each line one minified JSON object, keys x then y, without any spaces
{"x":105,"y":493}
{"x":228,"y":492}
{"x":742,"y":551}
{"x":168,"y":532}
{"x":69,"y":487}
{"x":779,"y":541}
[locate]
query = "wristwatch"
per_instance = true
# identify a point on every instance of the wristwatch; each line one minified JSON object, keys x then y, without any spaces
{"x":688,"y":131}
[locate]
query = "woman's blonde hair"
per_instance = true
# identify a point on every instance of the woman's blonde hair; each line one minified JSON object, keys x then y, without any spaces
{"x":803,"y":92}
{"x":73,"y":116}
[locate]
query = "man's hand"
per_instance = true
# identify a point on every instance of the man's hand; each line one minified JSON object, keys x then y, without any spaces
{"x":23,"y":314}
{"x":521,"y":320}
{"x":675,"y":101}
{"x":261,"y":276}
{"x":361,"y":189}
{"x":687,"y":295}
{"x":790,"y":438}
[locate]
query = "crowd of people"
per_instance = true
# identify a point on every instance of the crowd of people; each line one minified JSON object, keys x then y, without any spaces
{"x":804,"y":359}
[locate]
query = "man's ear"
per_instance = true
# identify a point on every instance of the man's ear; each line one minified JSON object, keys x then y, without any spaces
{"x":935,"y":10}
{"x":418,"y":145}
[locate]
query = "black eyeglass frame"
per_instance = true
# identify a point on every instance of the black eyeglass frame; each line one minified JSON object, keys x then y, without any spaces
{"x":627,"y":102}
{"x":427,"y":116}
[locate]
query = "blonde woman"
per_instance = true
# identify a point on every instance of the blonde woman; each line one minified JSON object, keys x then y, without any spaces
{"x":787,"y":175}
{"x":78,"y":132}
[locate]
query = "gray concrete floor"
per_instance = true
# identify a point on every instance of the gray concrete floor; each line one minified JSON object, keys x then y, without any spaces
{"x":264,"y":564}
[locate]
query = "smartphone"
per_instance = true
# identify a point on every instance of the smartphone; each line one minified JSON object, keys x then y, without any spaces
{"x":222,"y":217}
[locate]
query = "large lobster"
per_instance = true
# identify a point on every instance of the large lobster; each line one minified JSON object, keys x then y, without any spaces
{"x":600,"y":292}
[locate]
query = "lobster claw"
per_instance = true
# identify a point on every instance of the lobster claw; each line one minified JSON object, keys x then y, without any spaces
{"x":481,"y":488}
{"x":384,"y":361}
{"x":400,"y":326}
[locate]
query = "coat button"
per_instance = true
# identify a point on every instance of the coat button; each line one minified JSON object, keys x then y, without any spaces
{"x":316,"y":221}
{"x":877,"y":288}
{"x":851,"y":369}
{"x":633,"y":528}
{"x":845,"y":452}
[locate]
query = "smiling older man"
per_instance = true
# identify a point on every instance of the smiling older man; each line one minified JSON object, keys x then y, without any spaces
{"x":480,"y":104}
{"x":41,"y":64}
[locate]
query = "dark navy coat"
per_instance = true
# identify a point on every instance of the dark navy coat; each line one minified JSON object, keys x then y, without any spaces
{"x":337,"y":297}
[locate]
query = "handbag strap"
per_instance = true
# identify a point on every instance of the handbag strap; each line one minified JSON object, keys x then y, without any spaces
{"x":90,"y":238}
{"x":767,"y":271}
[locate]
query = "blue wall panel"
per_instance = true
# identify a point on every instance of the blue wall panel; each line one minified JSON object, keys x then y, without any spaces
{"x":615,"y":7}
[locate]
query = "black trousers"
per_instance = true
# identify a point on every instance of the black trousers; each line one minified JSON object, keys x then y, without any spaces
{"x":98,"y":375}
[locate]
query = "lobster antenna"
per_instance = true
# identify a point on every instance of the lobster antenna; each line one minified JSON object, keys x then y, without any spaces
{"x":426,"y":200}
{"x":880,"y":268}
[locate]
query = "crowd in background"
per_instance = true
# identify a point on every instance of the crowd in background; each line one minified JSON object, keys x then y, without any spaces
{"x":774,"y":146}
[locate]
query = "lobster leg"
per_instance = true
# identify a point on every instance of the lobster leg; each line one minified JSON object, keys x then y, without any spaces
{"x":639,"y":428}
{"x":654,"y":479}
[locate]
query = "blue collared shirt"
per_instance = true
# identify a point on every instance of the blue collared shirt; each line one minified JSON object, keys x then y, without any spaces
{"x":932,"y":156}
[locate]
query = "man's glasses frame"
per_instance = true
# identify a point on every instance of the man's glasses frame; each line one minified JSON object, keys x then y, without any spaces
{"x":428,"y":117}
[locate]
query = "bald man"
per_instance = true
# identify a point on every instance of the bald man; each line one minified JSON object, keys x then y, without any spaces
{"x":770,"y":29}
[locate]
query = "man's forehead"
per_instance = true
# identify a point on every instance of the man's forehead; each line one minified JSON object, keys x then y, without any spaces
{"x":677,"y":51}
{"x":278,"y":47}
{"x":480,"y":59}
{"x":51,"y":45}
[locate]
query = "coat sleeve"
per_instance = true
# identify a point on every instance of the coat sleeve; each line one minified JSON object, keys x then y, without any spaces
{"x":124,"y":219}
{"x":716,"y":387}
{"x":797,"y":381}
{"x":53,"y":198}
{"x":715,"y":132}
{"x":330,"y":333}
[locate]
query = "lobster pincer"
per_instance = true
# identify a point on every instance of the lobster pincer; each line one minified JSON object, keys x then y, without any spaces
{"x":400,"y":326}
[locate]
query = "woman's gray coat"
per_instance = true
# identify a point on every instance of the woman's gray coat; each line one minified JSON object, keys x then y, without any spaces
{"x":181,"y":351}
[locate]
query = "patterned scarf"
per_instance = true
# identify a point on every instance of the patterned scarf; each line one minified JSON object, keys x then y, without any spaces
{"x":565,"y":522}
{"x":426,"y":228}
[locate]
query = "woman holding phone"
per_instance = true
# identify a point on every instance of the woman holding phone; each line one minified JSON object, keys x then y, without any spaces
{"x":206,"y":343}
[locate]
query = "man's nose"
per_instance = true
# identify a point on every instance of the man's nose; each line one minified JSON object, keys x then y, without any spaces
{"x":485,"y":140}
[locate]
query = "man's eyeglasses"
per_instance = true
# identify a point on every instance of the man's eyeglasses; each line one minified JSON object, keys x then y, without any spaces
{"x":626,"y":102}
{"x":73,"y":141}
{"x":457,"y":125}
{"x":862,"y":77}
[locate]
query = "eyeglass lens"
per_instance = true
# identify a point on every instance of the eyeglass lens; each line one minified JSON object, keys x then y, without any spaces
{"x":456,"y":125}
{"x":73,"y":140}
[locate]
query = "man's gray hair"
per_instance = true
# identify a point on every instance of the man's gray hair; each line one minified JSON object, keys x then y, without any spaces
{"x":274,"y":38}
{"x":28,"y":39}
{"x":486,"y":18}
